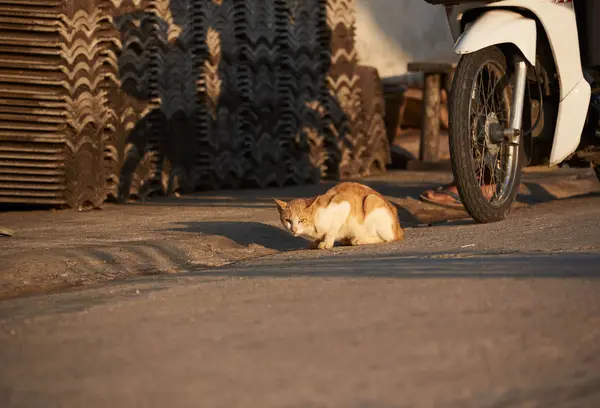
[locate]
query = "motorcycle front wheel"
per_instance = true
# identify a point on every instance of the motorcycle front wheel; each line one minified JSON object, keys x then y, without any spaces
{"x":487,"y":171}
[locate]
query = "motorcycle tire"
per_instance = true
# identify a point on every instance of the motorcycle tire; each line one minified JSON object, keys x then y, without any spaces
{"x":465,"y":136}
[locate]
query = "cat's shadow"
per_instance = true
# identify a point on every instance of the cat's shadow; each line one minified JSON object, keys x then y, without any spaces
{"x":246,"y":233}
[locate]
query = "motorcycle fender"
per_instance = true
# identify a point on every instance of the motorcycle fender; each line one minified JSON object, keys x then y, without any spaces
{"x":570,"y":121}
{"x":499,"y":27}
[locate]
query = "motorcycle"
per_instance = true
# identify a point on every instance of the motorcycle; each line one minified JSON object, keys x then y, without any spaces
{"x":521,"y":95}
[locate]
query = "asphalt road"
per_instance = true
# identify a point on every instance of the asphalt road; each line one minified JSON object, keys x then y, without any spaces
{"x":459,"y":315}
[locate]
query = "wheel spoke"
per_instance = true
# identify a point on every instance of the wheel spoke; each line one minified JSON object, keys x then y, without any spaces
{"x":490,"y":104}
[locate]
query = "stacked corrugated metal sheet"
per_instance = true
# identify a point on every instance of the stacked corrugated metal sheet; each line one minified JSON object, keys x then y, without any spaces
{"x":158,"y":96}
{"x":136,"y":38}
{"x":260,"y":40}
{"x":233,"y":115}
{"x":83,"y":54}
{"x":306,"y":65}
{"x":373,"y":151}
{"x":52,"y":103}
{"x":357,"y":144}
{"x":32,"y":110}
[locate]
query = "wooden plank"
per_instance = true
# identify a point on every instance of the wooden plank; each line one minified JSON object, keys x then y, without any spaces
{"x":430,"y":128}
{"x":431,"y":67}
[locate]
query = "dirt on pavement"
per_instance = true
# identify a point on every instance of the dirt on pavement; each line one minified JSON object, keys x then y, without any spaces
{"x":54,"y":249}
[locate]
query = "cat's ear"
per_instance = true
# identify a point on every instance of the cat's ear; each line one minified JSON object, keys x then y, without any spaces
{"x":311,"y":201}
{"x":281,"y":205}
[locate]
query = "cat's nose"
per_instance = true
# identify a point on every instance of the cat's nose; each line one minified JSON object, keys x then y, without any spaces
{"x":294,"y":229}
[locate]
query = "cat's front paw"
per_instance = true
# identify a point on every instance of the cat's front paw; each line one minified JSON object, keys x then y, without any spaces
{"x":346,"y":242}
{"x":325,"y":245}
{"x":314,"y":244}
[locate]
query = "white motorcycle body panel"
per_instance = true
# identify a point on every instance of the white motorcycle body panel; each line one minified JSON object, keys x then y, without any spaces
{"x":572,"y":112}
{"x":559,"y":24}
{"x":497,"y":27}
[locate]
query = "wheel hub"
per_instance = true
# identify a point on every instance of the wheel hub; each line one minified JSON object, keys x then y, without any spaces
{"x":491,"y":124}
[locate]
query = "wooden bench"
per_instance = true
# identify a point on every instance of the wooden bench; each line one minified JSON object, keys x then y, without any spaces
{"x":437,"y":75}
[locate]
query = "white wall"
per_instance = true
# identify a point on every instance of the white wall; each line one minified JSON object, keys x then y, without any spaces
{"x":391,"y":33}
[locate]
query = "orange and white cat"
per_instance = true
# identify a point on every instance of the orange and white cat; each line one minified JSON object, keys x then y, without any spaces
{"x":350,"y":213}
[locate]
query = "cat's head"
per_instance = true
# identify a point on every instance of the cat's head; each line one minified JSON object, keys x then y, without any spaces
{"x":297,"y":216}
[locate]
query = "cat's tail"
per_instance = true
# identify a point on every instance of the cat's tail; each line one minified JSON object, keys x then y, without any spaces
{"x":396,"y":227}
{"x":398,"y":231}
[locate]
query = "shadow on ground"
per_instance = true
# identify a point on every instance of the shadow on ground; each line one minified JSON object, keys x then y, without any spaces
{"x":436,"y":266}
{"x":245,"y":233}
{"x":416,"y":266}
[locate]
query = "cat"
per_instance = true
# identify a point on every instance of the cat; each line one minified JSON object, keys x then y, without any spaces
{"x":349,"y":213}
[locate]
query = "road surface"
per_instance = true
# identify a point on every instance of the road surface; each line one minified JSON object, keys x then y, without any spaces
{"x":460,"y":315}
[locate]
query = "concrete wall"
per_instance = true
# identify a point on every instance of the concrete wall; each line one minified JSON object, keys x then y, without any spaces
{"x":391,"y":33}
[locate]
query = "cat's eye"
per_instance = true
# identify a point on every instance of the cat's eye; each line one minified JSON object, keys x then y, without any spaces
{"x":302,"y":219}
{"x":288,"y":221}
